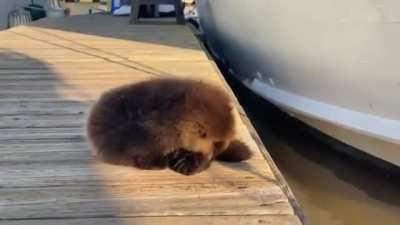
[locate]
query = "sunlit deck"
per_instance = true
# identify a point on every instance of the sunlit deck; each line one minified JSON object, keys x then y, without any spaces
{"x":50,"y":74}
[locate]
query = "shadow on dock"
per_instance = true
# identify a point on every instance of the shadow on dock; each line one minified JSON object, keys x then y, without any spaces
{"x":43,"y":149}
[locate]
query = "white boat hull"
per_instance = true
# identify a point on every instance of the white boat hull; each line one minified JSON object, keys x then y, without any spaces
{"x":332,"y":64}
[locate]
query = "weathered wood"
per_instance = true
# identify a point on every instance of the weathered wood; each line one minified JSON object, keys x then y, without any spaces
{"x":132,"y":200}
{"x":154,"y":68}
{"x":169,"y":220}
{"x":83,"y":172}
{"x":37,"y":121}
{"x":43,"y":107}
{"x":50,"y":74}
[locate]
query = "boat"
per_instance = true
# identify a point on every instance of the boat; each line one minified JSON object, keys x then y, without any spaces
{"x":334,"y":65}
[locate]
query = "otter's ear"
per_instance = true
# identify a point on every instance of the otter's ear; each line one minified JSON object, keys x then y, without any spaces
{"x":237,"y":151}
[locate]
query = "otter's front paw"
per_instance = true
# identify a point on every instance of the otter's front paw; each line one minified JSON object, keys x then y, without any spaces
{"x":185,"y":162}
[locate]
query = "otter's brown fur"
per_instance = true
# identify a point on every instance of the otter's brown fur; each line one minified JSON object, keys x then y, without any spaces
{"x":180,"y":124}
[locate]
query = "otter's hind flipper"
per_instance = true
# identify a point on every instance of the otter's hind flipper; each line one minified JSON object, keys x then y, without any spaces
{"x":237,"y":151}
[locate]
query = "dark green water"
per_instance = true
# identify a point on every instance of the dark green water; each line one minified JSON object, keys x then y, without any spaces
{"x":332,"y":188}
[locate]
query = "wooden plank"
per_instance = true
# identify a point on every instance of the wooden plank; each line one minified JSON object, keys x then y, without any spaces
{"x":4,"y":138}
{"x":53,"y":123}
{"x":58,"y":107}
{"x":42,"y":156}
{"x":36,"y":121}
{"x":120,"y":51}
{"x":7,"y":148}
{"x":170,"y":194}
{"x":75,"y":189}
{"x":87,"y":172}
{"x":96,"y":58}
{"x":196,"y":206}
{"x":186,"y":68}
{"x":181,"y":220}
{"x":112,"y":54}
{"x":101,"y":73}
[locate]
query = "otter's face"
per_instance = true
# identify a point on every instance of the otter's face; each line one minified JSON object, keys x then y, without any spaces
{"x":197,"y":149}
{"x":197,"y":143}
{"x":202,"y":141}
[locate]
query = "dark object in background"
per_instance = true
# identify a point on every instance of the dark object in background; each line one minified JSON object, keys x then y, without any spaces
{"x":146,"y":11}
{"x":153,"y":5}
{"x":36,"y":11}
{"x":194,"y":23}
{"x":167,"y":14}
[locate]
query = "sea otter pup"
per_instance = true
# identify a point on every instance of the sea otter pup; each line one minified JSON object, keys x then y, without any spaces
{"x":180,"y":124}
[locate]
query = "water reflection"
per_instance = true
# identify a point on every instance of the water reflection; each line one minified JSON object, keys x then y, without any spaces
{"x":332,"y":188}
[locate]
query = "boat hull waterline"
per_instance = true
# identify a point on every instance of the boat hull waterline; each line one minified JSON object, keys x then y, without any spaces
{"x":333,"y":65}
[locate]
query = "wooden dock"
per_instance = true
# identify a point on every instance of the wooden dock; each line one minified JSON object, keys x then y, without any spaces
{"x":50,"y":74}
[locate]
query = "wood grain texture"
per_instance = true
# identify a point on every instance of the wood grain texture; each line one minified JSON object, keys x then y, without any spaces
{"x":168,"y":220}
{"x":51,"y":72}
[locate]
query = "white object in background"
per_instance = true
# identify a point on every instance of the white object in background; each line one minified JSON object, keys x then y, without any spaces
{"x":165,"y":8}
{"x":126,"y":9}
{"x":190,"y":12}
{"x":122,"y":11}
{"x":54,"y":9}
{"x":116,"y":4}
